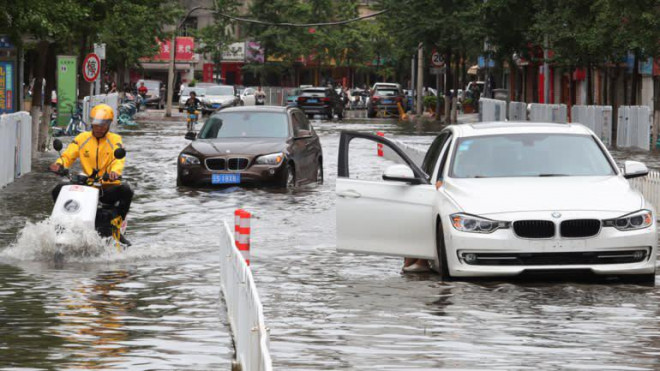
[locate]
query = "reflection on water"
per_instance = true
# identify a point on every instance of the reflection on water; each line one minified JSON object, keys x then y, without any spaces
{"x":158,"y":306}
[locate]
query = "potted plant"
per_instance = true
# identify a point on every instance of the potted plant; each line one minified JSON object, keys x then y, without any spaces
{"x":468,"y":105}
{"x":430,"y":102}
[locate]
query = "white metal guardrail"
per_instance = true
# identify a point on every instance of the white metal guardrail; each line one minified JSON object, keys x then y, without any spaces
{"x":90,"y":101}
{"x":634,"y":127}
{"x":492,"y":110}
{"x":244,"y":308}
{"x":15,"y":146}
{"x":517,"y":111}
{"x":548,"y":113}
{"x":650,"y":187}
{"x":596,"y":118}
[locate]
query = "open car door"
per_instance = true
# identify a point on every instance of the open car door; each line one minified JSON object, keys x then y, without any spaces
{"x":395,"y":216}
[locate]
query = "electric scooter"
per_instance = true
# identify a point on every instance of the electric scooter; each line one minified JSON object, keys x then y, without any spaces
{"x":79,"y":203}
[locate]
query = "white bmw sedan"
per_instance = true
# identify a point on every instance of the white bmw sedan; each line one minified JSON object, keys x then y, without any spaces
{"x":502,"y":199}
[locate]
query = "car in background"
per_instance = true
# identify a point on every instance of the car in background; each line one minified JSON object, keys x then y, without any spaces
{"x":468,"y":89}
{"x":155,"y":93}
{"x":247,"y":97}
{"x":252,"y":145}
{"x":219,"y":97}
{"x":185,"y":94}
{"x":292,"y":96}
{"x":385,"y":99}
{"x":321,"y":100}
{"x":390,"y":85}
{"x":502,"y":199}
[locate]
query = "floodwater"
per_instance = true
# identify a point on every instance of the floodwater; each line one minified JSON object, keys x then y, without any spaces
{"x":158,"y":305}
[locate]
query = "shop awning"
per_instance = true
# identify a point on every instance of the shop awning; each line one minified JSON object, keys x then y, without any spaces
{"x":473,"y":70}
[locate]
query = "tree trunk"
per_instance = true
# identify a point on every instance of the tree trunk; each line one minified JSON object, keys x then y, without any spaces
{"x":454,"y":100}
{"x":635,"y":81}
{"x":448,"y":85}
{"x":83,"y":86}
{"x":590,"y":90}
{"x":47,"y":109}
{"x":37,"y":96}
{"x":615,"y":109}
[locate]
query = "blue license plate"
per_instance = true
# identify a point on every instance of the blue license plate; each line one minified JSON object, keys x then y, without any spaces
{"x":226,"y":178}
{"x":387,"y":101}
{"x":312,"y":100}
{"x":216,"y":106}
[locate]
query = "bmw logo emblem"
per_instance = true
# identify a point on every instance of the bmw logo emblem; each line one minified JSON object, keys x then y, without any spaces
{"x":556,"y":215}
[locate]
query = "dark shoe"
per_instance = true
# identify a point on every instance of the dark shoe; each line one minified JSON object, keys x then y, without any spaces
{"x":124,"y":241}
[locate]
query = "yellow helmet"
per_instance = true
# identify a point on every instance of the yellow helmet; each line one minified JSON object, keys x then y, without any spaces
{"x":102,"y":114}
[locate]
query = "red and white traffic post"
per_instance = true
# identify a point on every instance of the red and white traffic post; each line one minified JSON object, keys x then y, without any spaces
{"x":380,"y":145}
{"x":242,"y":233}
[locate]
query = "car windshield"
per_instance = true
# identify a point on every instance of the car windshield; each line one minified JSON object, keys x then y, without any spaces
{"x":220,"y":90}
{"x":246,"y":125}
{"x":529,"y":155}
{"x":198,"y":91}
{"x":386,"y":92}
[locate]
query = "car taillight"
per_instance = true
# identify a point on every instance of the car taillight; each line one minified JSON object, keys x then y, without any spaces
{"x":374,"y":99}
{"x":326,"y":99}
{"x":301,"y":99}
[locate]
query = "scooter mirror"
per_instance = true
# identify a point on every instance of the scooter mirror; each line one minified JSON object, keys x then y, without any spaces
{"x":57,"y":145}
{"x":120,"y":153}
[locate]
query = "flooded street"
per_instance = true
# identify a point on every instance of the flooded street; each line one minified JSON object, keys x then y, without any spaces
{"x":158,"y":304}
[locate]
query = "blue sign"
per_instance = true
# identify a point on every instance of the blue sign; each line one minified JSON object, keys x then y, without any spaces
{"x":5,"y":43}
{"x":481,"y":62}
{"x":646,"y":67}
{"x":7,"y":87}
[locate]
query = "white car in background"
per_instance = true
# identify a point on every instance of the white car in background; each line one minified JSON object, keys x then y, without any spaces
{"x":503,"y":199}
{"x":185,"y":94}
{"x":247,"y":97}
{"x":219,"y":97}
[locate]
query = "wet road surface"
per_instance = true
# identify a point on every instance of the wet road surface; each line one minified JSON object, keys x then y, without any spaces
{"x":158,"y":305}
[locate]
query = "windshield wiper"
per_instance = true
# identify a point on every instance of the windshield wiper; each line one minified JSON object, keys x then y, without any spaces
{"x":548,"y":175}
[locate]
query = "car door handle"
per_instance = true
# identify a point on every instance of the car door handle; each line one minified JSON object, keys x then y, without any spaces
{"x":349,"y":194}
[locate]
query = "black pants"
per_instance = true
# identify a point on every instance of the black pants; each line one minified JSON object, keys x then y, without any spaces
{"x":120,"y":194}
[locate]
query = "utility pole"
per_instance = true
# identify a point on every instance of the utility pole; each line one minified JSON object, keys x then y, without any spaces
{"x":420,"y":79}
{"x":170,"y":72}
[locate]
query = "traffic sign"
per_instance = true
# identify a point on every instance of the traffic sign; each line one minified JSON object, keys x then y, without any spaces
{"x":438,"y":70}
{"x":436,"y":59}
{"x":91,"y":67}
{"x":99,"y":49}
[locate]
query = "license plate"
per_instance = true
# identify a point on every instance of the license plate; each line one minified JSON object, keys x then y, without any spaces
{"x":387,"y":101}
{"x":226,"y":178}
{"x":216,"y":106}
{"x":312,"y":100}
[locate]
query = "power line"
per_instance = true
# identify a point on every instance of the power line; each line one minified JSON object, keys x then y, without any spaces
{"x":287,"y":24}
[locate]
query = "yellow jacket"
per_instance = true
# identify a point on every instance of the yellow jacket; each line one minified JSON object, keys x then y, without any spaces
{"x":94,"y":154}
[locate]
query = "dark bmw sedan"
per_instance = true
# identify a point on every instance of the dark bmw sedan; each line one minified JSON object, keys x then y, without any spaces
{"x":252,"y":145}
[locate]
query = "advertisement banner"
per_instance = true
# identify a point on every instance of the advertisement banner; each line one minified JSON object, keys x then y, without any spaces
{"x":207,"y":75}
{"x":67,"y":88}
{"x":185,"y":47}
{"x":254,"y":52}
{"x":7,"y":72}
{"x":235,"y":52}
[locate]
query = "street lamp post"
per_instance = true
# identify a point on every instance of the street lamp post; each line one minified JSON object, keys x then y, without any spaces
{"x":170,"y":72}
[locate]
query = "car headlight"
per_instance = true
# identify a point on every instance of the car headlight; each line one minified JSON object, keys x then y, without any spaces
{"x":638,"y":220}
{"x":185,"y":159}
{"x":476,"y":224}
{"x":272,"y":159}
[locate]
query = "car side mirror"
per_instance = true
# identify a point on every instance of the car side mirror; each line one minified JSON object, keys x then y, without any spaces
{"x":191,"y":135}
{"x":400,"y":173}
{"x":120,"y":153}
{"x":57,"y":145}
{"x":634,"y":169}
{"x":302,"y":134}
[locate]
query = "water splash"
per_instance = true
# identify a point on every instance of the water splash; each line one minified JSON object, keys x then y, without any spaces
{"x":42,"y":241}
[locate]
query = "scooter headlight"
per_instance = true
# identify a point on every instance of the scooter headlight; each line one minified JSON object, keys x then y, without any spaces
{"x":638,"y":220}
{"x":185,"y":159}
{"x":271,"y":159}
{"x":476,"y":224}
